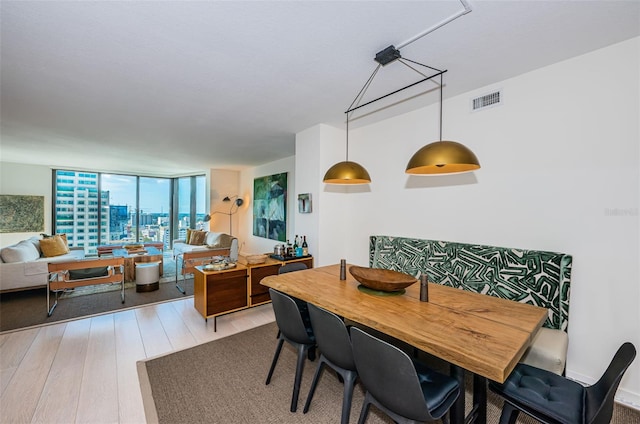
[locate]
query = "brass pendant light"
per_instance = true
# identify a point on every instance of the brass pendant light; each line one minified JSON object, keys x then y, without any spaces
{"x":347,"y":172}
{"x":442,"y":157}
{"x":436,"y":158}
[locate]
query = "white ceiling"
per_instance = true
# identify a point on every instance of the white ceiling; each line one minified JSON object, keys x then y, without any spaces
{"x":175,"y":87}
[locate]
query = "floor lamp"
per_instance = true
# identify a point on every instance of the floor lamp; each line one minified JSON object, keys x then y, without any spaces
{"x":236,"y":203}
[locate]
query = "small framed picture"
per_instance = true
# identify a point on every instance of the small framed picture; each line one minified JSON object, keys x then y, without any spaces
{"x":304,"y":203}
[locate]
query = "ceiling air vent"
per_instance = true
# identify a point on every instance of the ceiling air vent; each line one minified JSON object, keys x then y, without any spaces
{"x":486,"y":101}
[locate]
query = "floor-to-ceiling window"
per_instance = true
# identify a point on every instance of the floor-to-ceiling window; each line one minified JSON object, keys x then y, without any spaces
{"x":98,"y":208}
{"x":121,"y":207}
{"x":190,"y":204}
{"x":155,"y":209}
{"x":77,"y":208}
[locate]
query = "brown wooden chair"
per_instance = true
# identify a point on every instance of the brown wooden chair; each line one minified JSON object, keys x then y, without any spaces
{"x":87,"y":272}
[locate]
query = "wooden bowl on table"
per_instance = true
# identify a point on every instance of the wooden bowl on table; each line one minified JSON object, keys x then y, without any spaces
{"x":382,"y":280}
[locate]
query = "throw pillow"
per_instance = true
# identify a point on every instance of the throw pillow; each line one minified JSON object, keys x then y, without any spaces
{"x":53,"y":246}
{"x":197,"y":238}
{"x":212,"y":239}
{"x":225,"y":240}
{"x":21,"y":252}
{"x":35,"y":240}
{"x":188,"y":239}
{"x":62,"y":235}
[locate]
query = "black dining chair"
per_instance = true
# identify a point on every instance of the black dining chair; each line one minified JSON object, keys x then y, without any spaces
{"x":295,"y":332}
{"x":291,"y":267}
{"x":334,"y":343}
{"x":406,"y":390}
{"x":302,"y":305}
{"x":552,"y":398}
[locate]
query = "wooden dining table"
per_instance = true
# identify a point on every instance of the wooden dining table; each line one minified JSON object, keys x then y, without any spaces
{"x":481,"y":334}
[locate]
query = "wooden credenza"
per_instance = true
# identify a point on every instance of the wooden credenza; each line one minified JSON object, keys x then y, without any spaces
{"x":259,"y":294}
{"x":217,"y":293}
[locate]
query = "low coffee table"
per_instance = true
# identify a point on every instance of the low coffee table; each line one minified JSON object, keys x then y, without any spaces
{"x":149,"y":254}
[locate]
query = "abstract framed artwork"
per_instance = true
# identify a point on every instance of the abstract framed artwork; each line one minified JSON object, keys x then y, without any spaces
{"x":270,"y":207}
{"x":21,"y":214}
{"x":304,"y":203}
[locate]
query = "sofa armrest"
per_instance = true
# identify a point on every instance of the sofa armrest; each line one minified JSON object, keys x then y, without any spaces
{"x":233,"y":250}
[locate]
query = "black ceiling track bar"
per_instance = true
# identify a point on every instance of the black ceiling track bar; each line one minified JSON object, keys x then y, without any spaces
{"x":396,"y":91}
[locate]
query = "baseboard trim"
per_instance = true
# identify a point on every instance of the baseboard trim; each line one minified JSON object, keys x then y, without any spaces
{"x":623,"y":396}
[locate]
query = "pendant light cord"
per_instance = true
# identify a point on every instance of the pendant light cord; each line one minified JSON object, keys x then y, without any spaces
{"x":441,"y":84}
{"x":347,"y":153}
{"x":404,"y":59}
{"x":355,"y":104}
{"x":357,"y":101}
{"x":363,"y":90}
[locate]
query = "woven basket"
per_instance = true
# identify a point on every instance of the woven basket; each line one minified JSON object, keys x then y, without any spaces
{"x":255,"y":259}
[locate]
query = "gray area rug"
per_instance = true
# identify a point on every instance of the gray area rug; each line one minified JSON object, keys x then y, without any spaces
{"x":223,"y":382}
{"x":28,"y":308}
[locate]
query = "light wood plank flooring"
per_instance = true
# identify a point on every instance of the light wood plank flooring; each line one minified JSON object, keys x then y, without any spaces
{"x":84,"y":371}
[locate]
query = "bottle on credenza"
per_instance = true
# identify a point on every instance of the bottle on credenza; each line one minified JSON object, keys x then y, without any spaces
{"x":287,"y":249}
{"x":305,"y":246}
{"x":297,"y":250}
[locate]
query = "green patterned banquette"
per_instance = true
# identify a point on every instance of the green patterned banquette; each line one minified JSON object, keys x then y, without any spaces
{"x":530,"y":276}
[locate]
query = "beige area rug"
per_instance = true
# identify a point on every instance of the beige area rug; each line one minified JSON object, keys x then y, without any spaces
{"x":223,"y":382}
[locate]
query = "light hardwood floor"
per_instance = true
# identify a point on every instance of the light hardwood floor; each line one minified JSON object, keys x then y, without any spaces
{"x":84,"y":371}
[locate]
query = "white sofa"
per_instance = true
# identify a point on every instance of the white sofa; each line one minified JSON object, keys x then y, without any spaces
{"x":212,"y":241}
{"x":22,"y":265}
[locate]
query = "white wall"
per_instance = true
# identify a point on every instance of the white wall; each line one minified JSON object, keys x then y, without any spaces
{"x":26,"y":180}
{"x":560,"y":171}
{"x":223,"y":183}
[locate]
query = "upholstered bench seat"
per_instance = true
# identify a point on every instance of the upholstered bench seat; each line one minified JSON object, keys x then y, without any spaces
{"x":529,"y":276}
{"x":548,"y":350}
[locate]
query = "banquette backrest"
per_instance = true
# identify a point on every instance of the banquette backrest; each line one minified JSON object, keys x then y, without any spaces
{"x":531,"y":276}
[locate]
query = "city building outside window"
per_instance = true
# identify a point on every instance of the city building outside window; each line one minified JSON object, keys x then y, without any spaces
{"x":99,"y":208}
